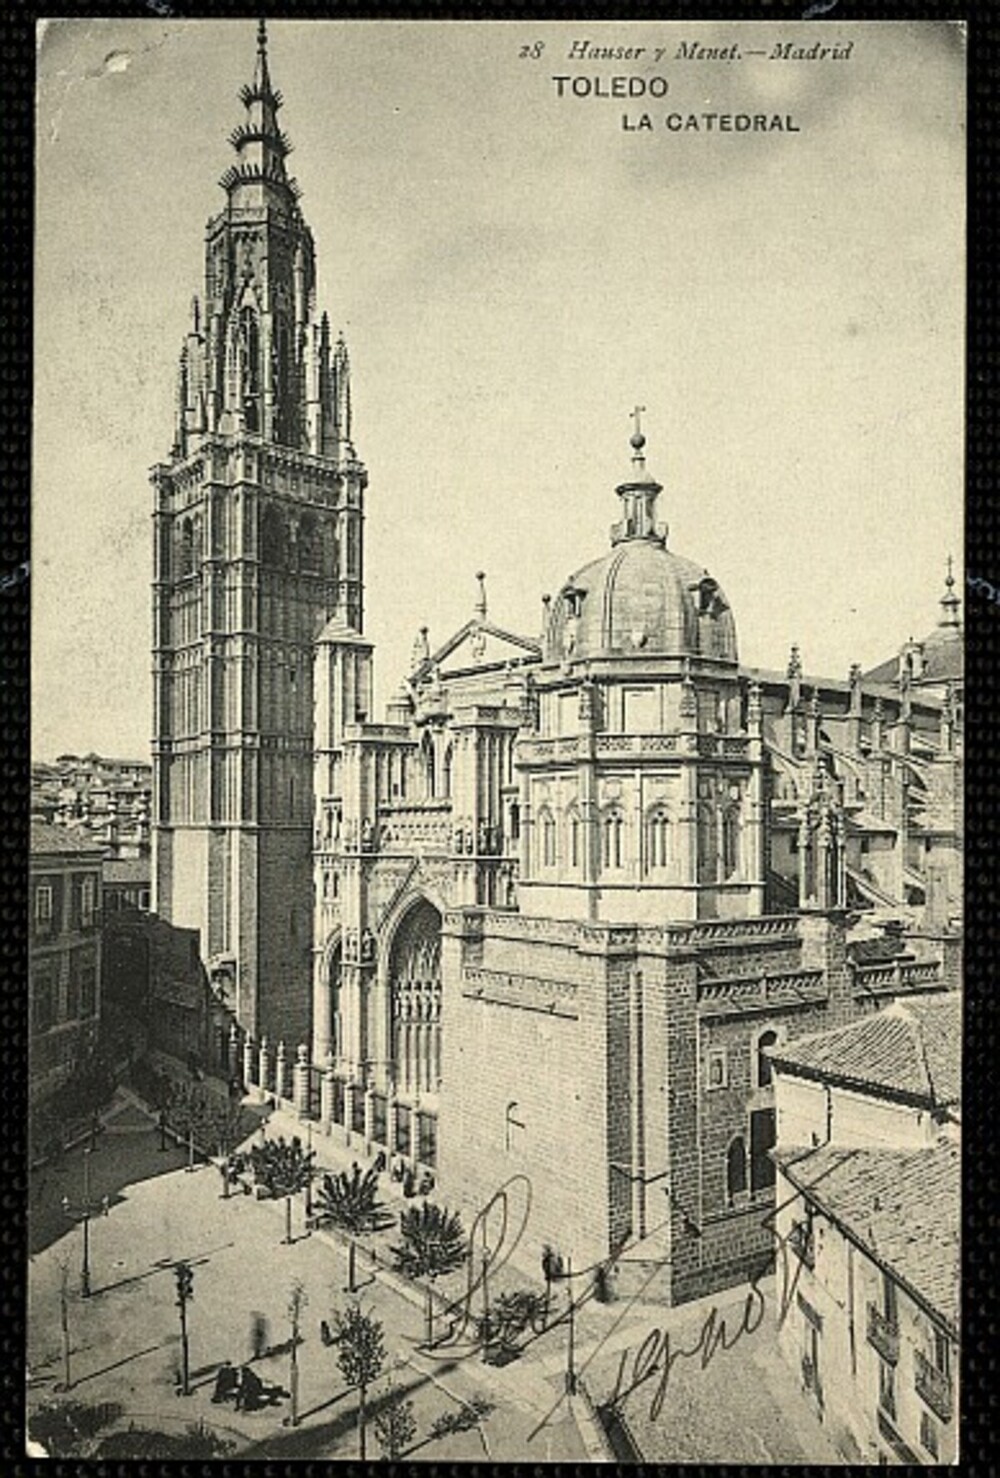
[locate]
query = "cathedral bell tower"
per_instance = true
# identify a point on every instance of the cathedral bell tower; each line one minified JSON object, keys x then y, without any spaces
{"x":258,"y":544}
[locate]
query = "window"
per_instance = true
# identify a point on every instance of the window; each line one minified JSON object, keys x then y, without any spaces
{"x":730,"y":842}
{"x":736,"y":1169}
{"x":548,"y":826}
{"x":764,"y":1068}
{"x":929,"y":1434}
{"x":717,"y":1068}
{"x":942,"y":1353}
{"x":43,"y":908}
{"x":887,"y":1387}
{"x":427,"y":751}
{"x":446,"y":775}
{"x":88,"y":893}
{"x":657,"y":838}
{"x":890,"y":1303}
{"x":574,"y":838}
{"x":611,"y":831}
{"x":762,"y":1138}
{"x":515,"y":821}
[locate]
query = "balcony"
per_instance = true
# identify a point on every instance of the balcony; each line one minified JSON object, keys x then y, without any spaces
{"x":883,"y":1335}
{"x":934,"y":1387}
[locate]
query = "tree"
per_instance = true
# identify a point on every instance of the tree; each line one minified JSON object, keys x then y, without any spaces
{"x":228,"y":1129}
{"x":434,"y":1243}
{"x":349,"y":1200}
{"x":360,"y":1345}
{"x":283,"y":1168}
{"x":395,"y":1425}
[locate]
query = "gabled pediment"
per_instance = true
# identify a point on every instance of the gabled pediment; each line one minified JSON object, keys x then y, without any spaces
{"x":478,"y":644}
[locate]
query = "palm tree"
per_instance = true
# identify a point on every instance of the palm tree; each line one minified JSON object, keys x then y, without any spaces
{"x":283,"y":1168}
{"x":360,"y":1354}
{"x":349,"y":1200}
{"x":434,"y":1243}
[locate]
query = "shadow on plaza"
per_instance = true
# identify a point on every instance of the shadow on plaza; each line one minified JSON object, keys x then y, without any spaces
{"x":316,"y":1440}
{"x":118,"y":1162}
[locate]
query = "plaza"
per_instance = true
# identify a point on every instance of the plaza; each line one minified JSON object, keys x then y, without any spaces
{"x":124,"y":1339}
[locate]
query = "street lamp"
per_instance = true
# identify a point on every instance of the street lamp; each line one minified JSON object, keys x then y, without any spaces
{"x":82,"y":1214}
{"x":309,"y":1168}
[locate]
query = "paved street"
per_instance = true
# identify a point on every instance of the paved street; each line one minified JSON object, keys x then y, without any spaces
{"x":125,"y":1339}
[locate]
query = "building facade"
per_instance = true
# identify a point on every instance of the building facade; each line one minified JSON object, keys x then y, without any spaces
{"x":575,"y":886}
{"x":64,"y":961}
{"x":258,"y":517}
{"x":868,"y":1223}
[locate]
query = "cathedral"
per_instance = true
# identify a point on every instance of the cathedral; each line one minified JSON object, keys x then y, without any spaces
{"x":542,"y":924}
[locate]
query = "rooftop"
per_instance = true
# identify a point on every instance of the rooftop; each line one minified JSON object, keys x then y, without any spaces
{"x":48,"y":840}
{"x":900,"y":1206}
{"x":911,"y":1050}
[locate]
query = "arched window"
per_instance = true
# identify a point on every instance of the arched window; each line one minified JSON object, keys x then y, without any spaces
{"x":612,"y":826}
{"x":730,"y":841}
{"x":187,"y":548}
{"x":657,"y":838}
{"x":575,"y":836}
{"x":427,"y":755}
{"x":250,"y":365}
{"x":547,"y":831}
{"x":449,"y":755}
{"x":708,"y":857}
{"x":764,"y":1067}
{"x":736,"y":1169}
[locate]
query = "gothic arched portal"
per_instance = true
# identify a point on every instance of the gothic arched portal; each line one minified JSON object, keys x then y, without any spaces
{"x":415,"y":1000}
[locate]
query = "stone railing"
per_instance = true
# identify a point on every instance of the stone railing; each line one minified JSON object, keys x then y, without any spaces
{"x":530,"y":992}
{"x":883,"y":1334}
{"x":723,"y":746}
{"x":933,"y":1386}
{"x":760,"y":992}
{"x":735,"y":931}
{"x":545,"y":750}
{"x":896,"y":976}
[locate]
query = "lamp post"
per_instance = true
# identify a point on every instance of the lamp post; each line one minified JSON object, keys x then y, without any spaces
{"x":185,"y":1292}
{"x":309,"y":1168}
{"x":82,"y":1214}
{"x":571,"y":1332}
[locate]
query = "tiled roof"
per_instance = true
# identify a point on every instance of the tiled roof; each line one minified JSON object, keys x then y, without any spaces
{"x":47,"y":839}
{"x":912,"y":1048}
{"x":943,"y":659}
{"x":901,"y":1206}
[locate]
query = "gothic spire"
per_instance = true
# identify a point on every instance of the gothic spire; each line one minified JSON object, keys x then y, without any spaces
{"x":342,"y":392}
{"x":260,"y":145}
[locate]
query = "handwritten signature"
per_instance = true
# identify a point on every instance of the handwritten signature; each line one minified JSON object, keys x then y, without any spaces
{"x":498,"y":1230}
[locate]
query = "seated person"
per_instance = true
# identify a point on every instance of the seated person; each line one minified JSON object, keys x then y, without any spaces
{"x":227,"y":1382}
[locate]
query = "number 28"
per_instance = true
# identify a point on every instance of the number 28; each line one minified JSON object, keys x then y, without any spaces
{"x":532,"y":49}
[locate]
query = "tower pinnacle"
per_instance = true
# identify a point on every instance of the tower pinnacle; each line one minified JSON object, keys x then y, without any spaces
{"x":639,"y":493}
{"x":949,"y":601}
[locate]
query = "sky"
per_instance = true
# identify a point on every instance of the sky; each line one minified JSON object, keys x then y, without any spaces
{"x":514,"y":271}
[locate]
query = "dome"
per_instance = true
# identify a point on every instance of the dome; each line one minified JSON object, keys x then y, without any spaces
{"x":641,"y":599}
